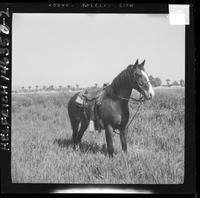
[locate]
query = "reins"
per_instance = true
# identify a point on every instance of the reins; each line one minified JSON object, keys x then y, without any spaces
{"x":133,"y":99}
{"x":134,"y":115}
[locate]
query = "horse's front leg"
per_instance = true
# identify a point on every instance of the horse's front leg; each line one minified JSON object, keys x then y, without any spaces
{"x":123,"y":140}
{"x":108,"y":133}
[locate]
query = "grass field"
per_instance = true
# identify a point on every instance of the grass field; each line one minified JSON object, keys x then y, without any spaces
{"x":42,"y":148}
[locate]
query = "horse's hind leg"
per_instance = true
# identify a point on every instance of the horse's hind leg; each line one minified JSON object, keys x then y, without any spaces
{"x":84,"y":125}
{"x":75,"y":126}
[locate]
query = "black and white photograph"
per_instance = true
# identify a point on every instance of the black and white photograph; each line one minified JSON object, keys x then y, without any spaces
{"x":97,"y":98}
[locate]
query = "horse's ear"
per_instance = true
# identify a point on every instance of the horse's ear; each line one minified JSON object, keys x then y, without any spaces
{"x":141,"y":65}
{"x":131,"y":67}
{"x":136,"y":62}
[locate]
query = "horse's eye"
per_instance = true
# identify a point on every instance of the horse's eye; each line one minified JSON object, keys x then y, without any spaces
{"x":140,"y":82}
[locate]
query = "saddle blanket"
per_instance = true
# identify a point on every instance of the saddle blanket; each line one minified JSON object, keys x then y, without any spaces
{"x":79,"y":100}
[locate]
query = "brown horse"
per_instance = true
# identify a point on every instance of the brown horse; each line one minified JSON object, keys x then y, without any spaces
{"x":113,"y":111}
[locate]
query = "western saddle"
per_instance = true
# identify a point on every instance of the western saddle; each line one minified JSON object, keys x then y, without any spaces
{"x":91,"y":94}
{"x":94,"y":95}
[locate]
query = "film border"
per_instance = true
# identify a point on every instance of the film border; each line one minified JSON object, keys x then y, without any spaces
{"x":7,"y":9}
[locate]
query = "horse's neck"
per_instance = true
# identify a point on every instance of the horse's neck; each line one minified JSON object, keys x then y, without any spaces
{"x":123,"y":92}
{"x":122,"y":88}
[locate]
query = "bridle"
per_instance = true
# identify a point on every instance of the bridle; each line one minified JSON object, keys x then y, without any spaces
{"x":144,"y":83}
{"x":141,"y":99}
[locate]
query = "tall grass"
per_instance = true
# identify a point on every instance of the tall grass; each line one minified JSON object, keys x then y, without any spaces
{"x":42,"y":148}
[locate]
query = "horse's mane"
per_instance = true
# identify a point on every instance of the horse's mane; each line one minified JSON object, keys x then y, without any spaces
{"x":122,"y":79}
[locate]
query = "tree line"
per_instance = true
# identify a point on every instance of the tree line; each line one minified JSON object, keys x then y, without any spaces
{"x":155,"y":81}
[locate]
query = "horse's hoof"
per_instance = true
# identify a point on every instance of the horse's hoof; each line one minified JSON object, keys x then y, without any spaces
{"x":76,"y":147}
{"x":125,"y":151}
{"x":110,"y":155}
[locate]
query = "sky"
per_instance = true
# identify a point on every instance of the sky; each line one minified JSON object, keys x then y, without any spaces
{"x":69,"y":49}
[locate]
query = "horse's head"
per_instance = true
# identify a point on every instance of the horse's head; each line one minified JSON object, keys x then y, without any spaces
{"x":140,"y":80}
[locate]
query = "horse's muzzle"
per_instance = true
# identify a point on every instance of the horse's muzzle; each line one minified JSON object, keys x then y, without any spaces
{"x":148,"y":95}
